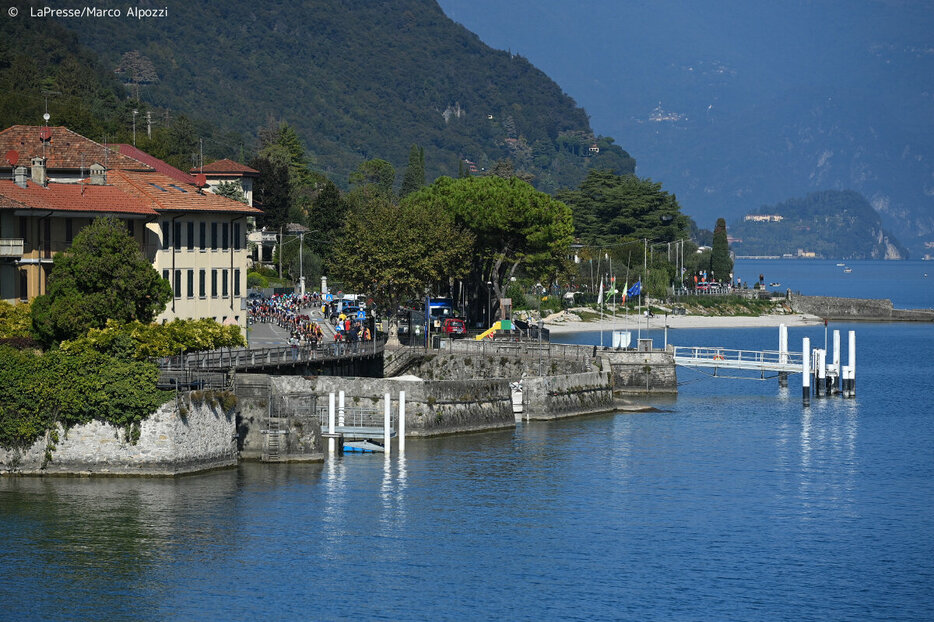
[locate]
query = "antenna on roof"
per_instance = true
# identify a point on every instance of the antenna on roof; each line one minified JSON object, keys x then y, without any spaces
{"x":201,"y":142}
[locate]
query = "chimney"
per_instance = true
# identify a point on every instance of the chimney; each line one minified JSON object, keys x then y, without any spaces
{"x":19,"y":176}
{"x":98,"y":175}
{"x":38,"y":171}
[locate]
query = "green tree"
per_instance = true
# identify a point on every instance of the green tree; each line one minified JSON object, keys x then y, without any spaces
{"x":720,"y":263}
{"x":393,"y":252}
{"x":377,"y":173}
{"x":104,"y":276}
{"x":414,"y":177}
{"x":231,"y":190}
{"x":610,"y":208}
{"x":512,"y":223}
{"x":271,"y":191}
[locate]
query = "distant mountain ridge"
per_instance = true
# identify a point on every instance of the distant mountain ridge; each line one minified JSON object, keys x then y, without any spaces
{"x":361,"y":81}
{"x":831,"y":224}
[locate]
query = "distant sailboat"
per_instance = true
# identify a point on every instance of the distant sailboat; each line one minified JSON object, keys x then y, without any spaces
{"x":841,"y":265}
{"x":848,"y":270}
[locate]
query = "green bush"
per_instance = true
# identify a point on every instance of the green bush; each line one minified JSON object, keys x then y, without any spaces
{"x":256,"y":280}
{"x":38,"y":391}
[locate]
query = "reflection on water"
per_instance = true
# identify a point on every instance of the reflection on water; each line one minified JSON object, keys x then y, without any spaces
{"x":735,"y":502}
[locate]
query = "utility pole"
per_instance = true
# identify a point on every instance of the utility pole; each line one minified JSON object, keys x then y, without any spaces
{"x":135,"y":112}
{"x":148,"y":124}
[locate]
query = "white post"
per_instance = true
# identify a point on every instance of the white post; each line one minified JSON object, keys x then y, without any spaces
{"x":821,"y":372}
{"x":401,"y":422}
{"x":836,"y":361}
{"x":806,"y":370}
{"x":331,"y":440}
{"x":783,"y":353}
{"x":340,"y":409}
{"x":851,"y":362}
{"x":387,"y":422}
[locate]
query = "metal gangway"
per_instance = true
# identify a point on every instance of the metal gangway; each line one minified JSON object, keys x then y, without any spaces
{"x":772,"y":361}
{"x":819,"y":368}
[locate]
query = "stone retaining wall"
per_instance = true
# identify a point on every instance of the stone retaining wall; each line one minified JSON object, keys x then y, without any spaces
{"x":838,"y":308}
{"x":170,"y":443}
{"x":432,"y":408}
{"x":642,"y":372}
{"x":554,"y":397}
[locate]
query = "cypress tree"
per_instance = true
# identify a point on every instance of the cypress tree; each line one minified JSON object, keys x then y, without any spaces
{"x":415,"y":172}
{"x":720,"y":263}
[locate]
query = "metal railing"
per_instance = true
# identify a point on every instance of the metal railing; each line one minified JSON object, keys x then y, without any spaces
{"x":771,"y":360}
{"x":243,"y":358}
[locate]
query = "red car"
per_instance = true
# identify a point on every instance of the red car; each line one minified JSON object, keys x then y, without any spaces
{"x":454,"y":328}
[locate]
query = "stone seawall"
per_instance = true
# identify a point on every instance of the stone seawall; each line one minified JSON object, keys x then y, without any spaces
{"x":171,"y":442}
{"x":642,"y":372}
{"x":433,"y":407}
{"x":870,"y":309}
{"x":555,"y":397}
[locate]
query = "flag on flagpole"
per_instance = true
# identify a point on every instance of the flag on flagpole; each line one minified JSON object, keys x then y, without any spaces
{"x":612,"y":291}
{"x":600,"y":295}
{"x":625,"y":292}
{"x":636,"y":289}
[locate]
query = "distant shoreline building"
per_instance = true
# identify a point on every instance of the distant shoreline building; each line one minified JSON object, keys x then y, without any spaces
{"x":763,"y":218}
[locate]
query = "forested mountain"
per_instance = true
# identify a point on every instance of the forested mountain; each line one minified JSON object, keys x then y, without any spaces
{"x":831,"y":224}
{"x":356,"y":80}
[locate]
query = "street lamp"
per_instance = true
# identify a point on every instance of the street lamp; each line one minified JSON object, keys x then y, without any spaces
{"x":489,"y":303}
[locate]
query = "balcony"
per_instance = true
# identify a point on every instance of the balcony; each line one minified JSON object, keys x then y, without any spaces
{"x":11,"y":248}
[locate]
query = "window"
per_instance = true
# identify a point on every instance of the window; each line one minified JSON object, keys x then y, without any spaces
{"x":23,"y":285}
{"x":201,"y":290}
{"x":237,"y":282}
{"x":191,"y":283}
{"x":225,"y":235}
{"x":158,"y":186}
{"x":236,"y":236}
{"x":213,"y":283}
{"x":23,"y":229}
{"x":224,"y":279}
{"x":177,"y":235}
{"x":202,"y":235}
{"x":165,"y":235}
{"x":213,"y":236}
{"x":178,"y":283}
{"x":69,"y":230}
{"x":191,"y":235}
{"x":165,"y":275}
{"x":131,"y":227}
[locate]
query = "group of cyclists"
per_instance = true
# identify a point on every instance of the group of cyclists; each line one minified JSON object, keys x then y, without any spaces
{"x":290,"y":311}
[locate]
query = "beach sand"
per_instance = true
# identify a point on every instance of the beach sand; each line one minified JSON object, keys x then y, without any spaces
{"x":632,"y":322}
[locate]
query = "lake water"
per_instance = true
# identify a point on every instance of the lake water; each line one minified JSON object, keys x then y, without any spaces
{"x":733,"y":503}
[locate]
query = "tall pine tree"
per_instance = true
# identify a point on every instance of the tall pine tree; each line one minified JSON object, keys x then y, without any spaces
{"x":415,"y":172}
{"x":720,"y":263}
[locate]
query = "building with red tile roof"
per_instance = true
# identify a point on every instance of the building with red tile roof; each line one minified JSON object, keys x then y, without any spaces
{"x":64,"y":150}
{"x":195,"y":239}
{"x":227,"y":170}
{"x":153,"y":162}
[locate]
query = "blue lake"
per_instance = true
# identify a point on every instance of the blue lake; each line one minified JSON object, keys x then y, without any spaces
{"x":734,"y":502}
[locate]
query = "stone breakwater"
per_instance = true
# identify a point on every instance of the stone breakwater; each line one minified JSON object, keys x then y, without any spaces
{"x":869,"y":309}
{"x":172,"y":441}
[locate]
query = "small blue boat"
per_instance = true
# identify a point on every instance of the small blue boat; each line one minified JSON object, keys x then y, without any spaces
{"x":362,"y":447}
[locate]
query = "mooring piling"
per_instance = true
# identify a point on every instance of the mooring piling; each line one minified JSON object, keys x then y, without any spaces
{"x":401,"y":422}
{"x":783,"y":353}
{"x":806,"y":371}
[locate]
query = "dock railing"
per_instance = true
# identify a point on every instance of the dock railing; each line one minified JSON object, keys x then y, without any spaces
{"x":240,"y":358}
{"x":766,"y":360}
